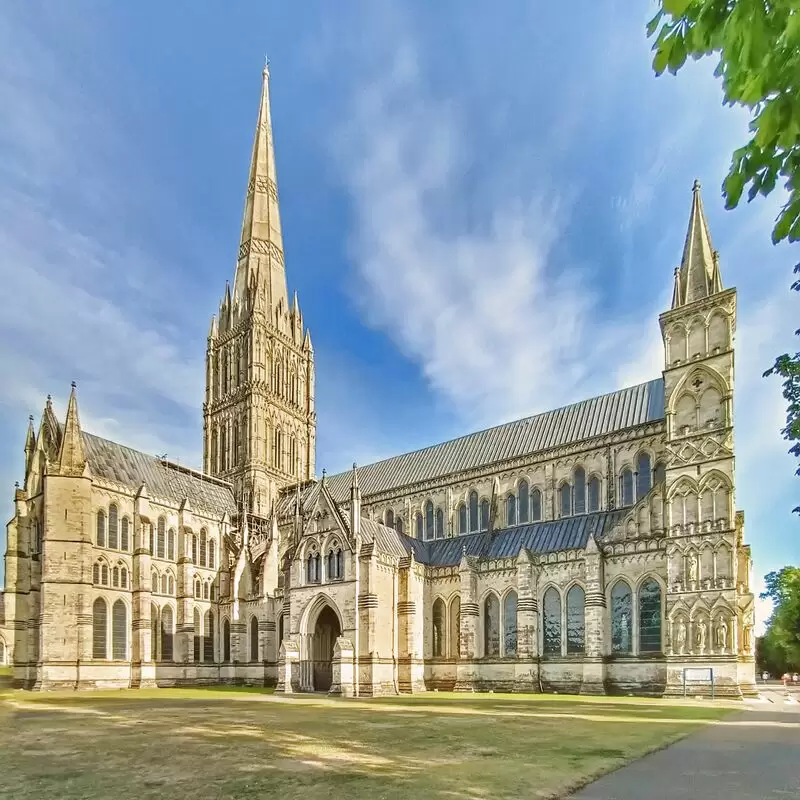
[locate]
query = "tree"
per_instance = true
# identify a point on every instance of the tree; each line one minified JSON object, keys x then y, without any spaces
{"x":758,"y":45}
{"x":782,"y":639}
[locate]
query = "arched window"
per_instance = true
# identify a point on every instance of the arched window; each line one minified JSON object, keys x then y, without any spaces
{"x":576,"y":620}
{"x":579,"y":491}
{"x":491,"y":626}
{"x":113,"y":527}
{"x":208,"y":637}
{"x":281,"y":629}
{"x":643,"y":475}
{"x":154,"y":629}
{"x":474,"y":519}
{"x":419,"y":527}
{"x":510,"y":624}
{"x":455,"y":626}
{"x":203,"y":546}
{"x":99,"y":628}
{"x":398,"y":524}
{"x":523,"y":495}
{"x":335,"y":562}
{"x":626,"y":487}
{"x":171,"y":544}
{"x":152,"y":541}
{"x":164,"y":585}
{"x":101,"y":528}
{"x":536,"y":505}
{"x":198,"y":589}
{"x":123,"y":577}
{"x":194,"y":548}
{"x":462,"y":518}
{"x":170,"y":584}
{"x":511,"y":510}
{"x":208,"y":590}
{"x":166,"y":633}
{"x":154,"y":582}
{"x":212,"y":553}
{"x":119,"y":631}
{"x":125,"y":536}
{"x":104,"y":574}
{"x":115,"y":577}
{"x":621,"y":622}
{"x":551,"y":632}
{"x":438,"y":628}
{"x":161,"y":537}
{"x":650,"y":617}
{"x":254,"y":654}
{"x":594,"y":493}
{"x":197,"y":650}
{"x":389,"y":518}
{"x":313,"y":564}
{"x":660,"y":472}
{"x":484,"y":515}
{"x":96,"y":572}
{"x":565,"y":502}
{"x":226,"y":641}
{"x":429,"y":532}
{"x":439,"y":523}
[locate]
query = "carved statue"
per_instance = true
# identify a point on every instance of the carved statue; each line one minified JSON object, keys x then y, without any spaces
{"x":722,"y":634}
{"x":701,"y":635}
{"x":681,"y":636}
{"x":692,"y":567}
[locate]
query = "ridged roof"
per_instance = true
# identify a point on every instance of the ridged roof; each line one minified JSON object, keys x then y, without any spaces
{"x":588,"y":419}
{"x":164,"y":480}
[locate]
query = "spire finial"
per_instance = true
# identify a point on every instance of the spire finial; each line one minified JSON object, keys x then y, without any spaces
{"x":74,"y":385}
{"x":265,"y":72}
{"x":696,"y":185}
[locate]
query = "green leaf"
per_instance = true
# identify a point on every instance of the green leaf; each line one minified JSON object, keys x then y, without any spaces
{"x":732,"y":189}
{"x":676,"y":7}
{"x":677,"y":57}
{"x":661,"y":58}
{"x":653,"y":24}
{"x":782,"y":226}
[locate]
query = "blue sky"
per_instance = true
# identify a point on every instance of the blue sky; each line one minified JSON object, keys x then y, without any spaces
{"x":482,"y":209}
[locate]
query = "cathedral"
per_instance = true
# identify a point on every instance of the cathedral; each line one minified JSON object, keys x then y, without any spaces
{"x":595,"y":548}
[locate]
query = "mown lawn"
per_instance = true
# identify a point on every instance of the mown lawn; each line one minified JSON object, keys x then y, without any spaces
{"x":217,"y":743}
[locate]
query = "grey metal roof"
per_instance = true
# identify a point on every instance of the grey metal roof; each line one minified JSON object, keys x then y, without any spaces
{"x":570,"y":533}
{"x":131,"y":468}
{"x":597,"y":416}
{"x":388,"y":540}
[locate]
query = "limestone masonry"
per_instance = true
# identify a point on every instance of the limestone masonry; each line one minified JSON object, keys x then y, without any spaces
{"x":595,"y":548}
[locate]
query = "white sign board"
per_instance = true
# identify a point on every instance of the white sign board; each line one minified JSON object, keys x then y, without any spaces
{"x":698,"y":674}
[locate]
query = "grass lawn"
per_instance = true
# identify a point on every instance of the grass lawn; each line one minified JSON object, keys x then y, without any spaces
{"x":216,"y":743}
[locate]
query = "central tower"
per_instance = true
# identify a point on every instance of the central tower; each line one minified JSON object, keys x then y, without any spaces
{"x":259,"y":424}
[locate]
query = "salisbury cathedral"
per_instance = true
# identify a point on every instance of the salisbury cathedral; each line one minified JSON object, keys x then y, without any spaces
{"x":595,"y":548}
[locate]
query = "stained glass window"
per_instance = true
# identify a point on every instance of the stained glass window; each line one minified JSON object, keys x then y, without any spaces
{"x":99,"y":628}
{"x":566,"y":505}
{"x":171,"y":544}
{"x":389,"y":518}
{"x":473,"y":511}
{"x":253,"y":639}
{"x":660,"y":472}
{"x":198,"y":637}
{"x":124,"y":542}
{"x":119,"y":631}
{"x":398,"y":524}
{"x":643,"y":476}
{"x":439,"y":523}
{"x":418,"y":525}
{"x":113,"y":527}
{"x":161,"y":537}
{"x":166,"y":633}
{"x":576,"y":621}
{"x":226,"y":641}
{"x":154,"y":628}
{"x":650,"y":617}
{"x":462,"y":518}
{"x":510,"y":624}
{"x":484,"y":515}
{"x":536,"y":505}
{"x":552,"y":621}
{"x":621,"y":618}
{"x":511,"y":510}
{"x":523,"y":495}
{"x":491,"y":626}
{"x":594,"y":494}
{"x":203,"y":546}
{"x":208,"y":637}
{"x":429,"y":532}
{"x":579,"y":491}
{"x":438,"y":628}
{"x":101,"y":528}
{"x":626,"y":487}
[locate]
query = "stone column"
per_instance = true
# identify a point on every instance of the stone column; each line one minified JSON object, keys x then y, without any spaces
{"x":594,"y":668}
{"x":288,"y":667}
{"x":468,"y":635}
{"x":526,"y":678}
{"x":343,"y":683}
{"x":184,"y":631}
{"x":410,"y":665}
{"x":143,"y":668}
{"x":367,"y":618}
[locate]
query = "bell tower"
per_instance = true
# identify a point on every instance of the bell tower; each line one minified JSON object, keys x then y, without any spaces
{"x":259,"y":423}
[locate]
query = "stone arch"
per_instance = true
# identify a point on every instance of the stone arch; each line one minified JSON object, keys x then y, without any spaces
{"x":718,"y":331}
{"x":308,"y":617}
{"x":677,"y":343}
{"x":438,"y":627}
{"x":696,"y":341}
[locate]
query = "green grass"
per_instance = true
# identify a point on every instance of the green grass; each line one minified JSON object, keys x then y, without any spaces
{"x":231,"y":743}
{"x":5,"y":672}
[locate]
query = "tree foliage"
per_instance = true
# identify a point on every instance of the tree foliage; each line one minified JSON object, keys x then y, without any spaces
{"x":758,"y":44}
{"x":781,"y":643}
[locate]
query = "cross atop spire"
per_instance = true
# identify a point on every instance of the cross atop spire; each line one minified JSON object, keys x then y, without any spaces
{"x":698,"y":276}
{"x":261,"y":242}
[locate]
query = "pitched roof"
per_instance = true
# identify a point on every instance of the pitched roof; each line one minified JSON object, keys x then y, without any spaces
{"x":597,"y":416}
{"x":164,"y":480}
{"x":570,"y":533}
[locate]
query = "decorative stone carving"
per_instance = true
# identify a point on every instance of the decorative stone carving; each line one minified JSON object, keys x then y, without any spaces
{"x":722,"y":635}
{"x":702,"y":631}
{"x":680,"y":638}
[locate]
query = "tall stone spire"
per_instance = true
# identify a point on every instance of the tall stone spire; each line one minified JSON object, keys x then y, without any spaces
{"x":260,"y":265}
{"x":71,"y":456}
{"x":699,"y":272}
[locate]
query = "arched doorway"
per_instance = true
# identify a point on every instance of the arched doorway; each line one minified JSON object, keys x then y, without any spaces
{"x":326,"y":631}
